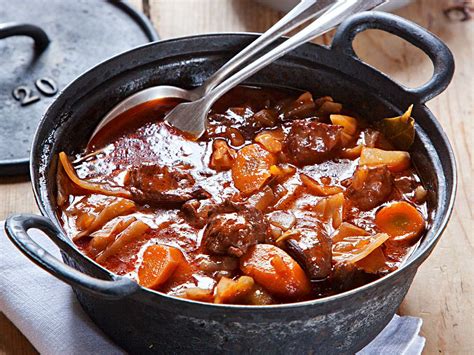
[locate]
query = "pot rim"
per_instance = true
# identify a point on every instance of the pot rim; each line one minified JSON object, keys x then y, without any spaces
{"x":419,"y":254}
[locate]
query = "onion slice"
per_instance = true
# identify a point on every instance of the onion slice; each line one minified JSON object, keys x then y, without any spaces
{"x":354,"y":248}
{"x":93,"y":187}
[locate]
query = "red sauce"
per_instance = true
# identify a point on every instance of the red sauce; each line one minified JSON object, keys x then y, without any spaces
{"x":297,"y":192}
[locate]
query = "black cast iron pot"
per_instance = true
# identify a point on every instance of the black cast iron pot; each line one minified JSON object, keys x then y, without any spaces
{"x":144,"y":321}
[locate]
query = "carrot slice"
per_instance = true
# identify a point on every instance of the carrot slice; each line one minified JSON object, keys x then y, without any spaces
{"x":251,"y":168}
{"x":318,"y":189}
{"x":400,"y":220}
{"x":158,"y":265}
{"x":395,"y":160}
{"x":275,"y":270}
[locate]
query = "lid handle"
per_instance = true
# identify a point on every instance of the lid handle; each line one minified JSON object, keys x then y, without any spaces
{"x":24,"y":29}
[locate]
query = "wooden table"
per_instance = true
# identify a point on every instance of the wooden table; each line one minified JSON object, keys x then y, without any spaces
{"x":443,"y":290}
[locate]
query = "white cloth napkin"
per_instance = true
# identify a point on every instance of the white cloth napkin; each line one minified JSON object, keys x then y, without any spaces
{"x":46,"y":311}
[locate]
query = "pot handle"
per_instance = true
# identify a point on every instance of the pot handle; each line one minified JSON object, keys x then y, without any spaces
{"x":437,"y":51}
{"x":24,"y":29}
{"x":17,"y":227}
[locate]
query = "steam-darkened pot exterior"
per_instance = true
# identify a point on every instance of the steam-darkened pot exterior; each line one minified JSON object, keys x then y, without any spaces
{"x":144,"y":321}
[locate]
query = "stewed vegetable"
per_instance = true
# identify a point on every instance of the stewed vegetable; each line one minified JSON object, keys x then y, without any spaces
{"x":286,"y":198}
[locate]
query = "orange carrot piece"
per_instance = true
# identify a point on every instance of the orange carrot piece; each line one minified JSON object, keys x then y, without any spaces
{"x":251,"y":168}
{"x":317,"y":189}
{"x":402,"y":221}
{"x":275,"y":270}
{"x":158,"y":265}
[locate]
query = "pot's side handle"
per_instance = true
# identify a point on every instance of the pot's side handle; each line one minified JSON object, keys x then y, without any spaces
{"x":437,"y":51}
{"x":17,"y":227}
{"x":24,"y":29}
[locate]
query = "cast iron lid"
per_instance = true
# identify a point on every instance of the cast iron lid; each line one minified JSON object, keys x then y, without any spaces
{"x":43,"y":46}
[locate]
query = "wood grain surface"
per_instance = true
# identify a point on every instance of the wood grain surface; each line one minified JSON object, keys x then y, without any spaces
{"x":443,"y":291}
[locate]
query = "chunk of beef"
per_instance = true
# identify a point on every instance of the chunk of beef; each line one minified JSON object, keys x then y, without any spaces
{"x":347,"y":276}
{"x":232,"y":233}
{"x":218,"y":265}
{"x":156,"y":185}
{"x":222,"y":156}
{"x":311,"y":248}
{"x":370,"y":186}
{"x":375,"y":139}
{"x":265,"y":118}
{"x":302,"y":107}
{"x":310,"y":142}
{"x":198,"y":212}
{"x":405,"y":183}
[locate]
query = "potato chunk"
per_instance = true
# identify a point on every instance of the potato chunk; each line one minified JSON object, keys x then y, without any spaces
{"x":395,"y":160}
{"x":232,"y":291}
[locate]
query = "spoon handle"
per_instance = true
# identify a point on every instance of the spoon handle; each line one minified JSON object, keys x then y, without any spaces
{"x":304,"y":11}
{"x":337,"y":13}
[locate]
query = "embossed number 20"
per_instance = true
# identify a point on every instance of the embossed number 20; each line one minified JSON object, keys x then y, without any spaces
{"x":26,"y":96}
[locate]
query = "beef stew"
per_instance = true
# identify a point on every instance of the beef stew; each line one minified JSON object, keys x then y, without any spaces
{"x":286,"y":198}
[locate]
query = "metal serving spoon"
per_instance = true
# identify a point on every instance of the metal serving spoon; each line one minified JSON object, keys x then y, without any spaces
{"x":304,"y":11}
{"x":191,"y":117}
